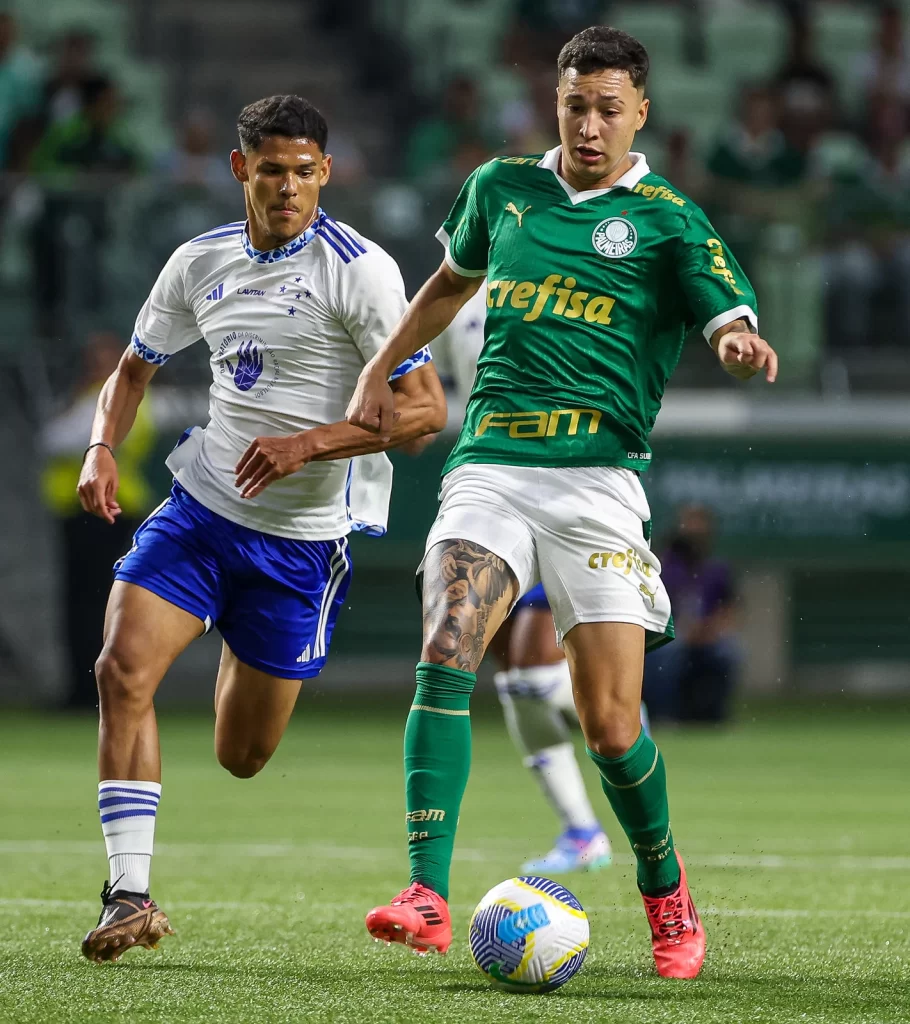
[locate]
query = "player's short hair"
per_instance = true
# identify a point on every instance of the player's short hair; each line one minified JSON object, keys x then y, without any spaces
{"x":290,"y":116}
{"x":602,"y":47}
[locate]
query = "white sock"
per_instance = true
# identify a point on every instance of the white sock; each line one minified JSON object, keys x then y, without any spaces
{"x":533,"y":700}
{"x":556,"y":769}
{"x":128,"y":810}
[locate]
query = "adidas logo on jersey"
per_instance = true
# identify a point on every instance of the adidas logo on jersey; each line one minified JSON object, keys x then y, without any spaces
{"x":216,"y":294}
{"x":305,"y":656}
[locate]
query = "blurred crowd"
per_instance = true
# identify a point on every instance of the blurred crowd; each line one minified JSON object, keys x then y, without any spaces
{"x":813,"y":159}
{"x":822,"y":150}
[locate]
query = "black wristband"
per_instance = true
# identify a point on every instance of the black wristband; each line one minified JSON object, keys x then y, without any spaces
{"x":98,"y":444}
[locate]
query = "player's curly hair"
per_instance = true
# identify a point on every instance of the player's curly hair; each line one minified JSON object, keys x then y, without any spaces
{"x":601,"y":47}
{"x":290,"y":116}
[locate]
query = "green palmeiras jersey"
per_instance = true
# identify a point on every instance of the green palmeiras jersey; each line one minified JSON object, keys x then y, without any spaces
{"x":590,"y":296}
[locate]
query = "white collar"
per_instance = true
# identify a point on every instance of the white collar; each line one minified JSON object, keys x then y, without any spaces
{"x":630,"y":179}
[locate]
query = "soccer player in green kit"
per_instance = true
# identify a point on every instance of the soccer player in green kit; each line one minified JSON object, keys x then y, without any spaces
{"x":596,"y":270}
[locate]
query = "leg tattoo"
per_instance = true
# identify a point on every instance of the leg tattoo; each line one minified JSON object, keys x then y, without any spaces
{"x":463,"y":585}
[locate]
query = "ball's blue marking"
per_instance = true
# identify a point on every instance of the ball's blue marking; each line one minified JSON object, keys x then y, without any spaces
{"x":522,"y":922}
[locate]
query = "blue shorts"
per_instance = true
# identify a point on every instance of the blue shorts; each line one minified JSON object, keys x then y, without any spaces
{"x":273,"y":599}
{"x":535,"y":598}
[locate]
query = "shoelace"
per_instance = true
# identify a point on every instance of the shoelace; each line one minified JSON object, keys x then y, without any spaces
{"x":412,"y":894}
{"x":667,"y":917}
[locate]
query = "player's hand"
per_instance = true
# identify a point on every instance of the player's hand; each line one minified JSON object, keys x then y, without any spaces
{"x":742,"y":355}
{"x":98,"y":483}
{"x":269,"y":459}
{"x":372,"y":406}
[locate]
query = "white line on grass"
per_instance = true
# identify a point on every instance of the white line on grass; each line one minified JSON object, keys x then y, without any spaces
{"x":366,"y":854}
{"x":322,"y":906}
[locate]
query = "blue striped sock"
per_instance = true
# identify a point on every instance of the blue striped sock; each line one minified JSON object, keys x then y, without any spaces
{"x":128,"y":810}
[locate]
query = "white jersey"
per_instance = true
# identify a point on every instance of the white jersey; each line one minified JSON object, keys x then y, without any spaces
{"x":462,"y":341}
{"x":289,"y":331}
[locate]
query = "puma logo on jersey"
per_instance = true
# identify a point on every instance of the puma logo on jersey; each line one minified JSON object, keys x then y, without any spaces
{"x":647,"y":594}
{"x":512,"y":208}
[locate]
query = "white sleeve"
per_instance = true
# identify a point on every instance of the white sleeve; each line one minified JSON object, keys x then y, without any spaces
{"x":166,"y":324}
{"x":372,"y":301}
{"x":463,"y":341}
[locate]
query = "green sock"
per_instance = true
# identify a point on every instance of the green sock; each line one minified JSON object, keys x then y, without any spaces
{"x":636,"y":786}
{"x":437,"y":760}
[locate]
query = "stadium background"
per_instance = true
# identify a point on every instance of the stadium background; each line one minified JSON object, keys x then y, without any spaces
{"x":789,"y":122}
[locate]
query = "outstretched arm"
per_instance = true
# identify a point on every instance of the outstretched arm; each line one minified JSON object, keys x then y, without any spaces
{"x":432,"y":309}
{"x":419,"y":409}
{"x":115,"y":413}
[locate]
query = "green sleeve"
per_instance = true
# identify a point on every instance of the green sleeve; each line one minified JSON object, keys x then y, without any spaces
{"x":464,"y":233}
{"x":713,"y":283}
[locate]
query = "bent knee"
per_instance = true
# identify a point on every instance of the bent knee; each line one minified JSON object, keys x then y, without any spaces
{"x":242,"y":764}
{"x":612,"y":738}
{"x":121,"y":682}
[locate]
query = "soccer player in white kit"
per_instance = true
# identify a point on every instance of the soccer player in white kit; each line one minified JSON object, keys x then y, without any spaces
{"x":252,"y":539}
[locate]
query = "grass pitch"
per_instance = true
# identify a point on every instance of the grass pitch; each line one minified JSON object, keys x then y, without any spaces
{"x":796,"y":830}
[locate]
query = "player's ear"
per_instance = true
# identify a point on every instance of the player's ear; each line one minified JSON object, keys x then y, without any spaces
{"x":325,"y":172}
{"x":643,"y":114}
{"x":238,"y":166}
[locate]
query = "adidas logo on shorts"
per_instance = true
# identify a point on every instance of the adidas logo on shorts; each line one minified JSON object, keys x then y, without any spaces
{"x":305,"y":655}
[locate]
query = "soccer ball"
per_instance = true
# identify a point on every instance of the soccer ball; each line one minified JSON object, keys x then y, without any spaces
{"x":529,"y":934}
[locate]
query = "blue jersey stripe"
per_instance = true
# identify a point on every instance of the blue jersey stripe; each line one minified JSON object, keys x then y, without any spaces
{"x":219,"y":235}
{"x":345,"y":236}
{"x":325,"y":237}
{"x":221,"y":227}
{"x":345,"y":243}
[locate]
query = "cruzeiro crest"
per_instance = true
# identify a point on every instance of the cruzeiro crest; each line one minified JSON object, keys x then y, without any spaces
{"x":248,"y":361}
{"x":615,"y":237}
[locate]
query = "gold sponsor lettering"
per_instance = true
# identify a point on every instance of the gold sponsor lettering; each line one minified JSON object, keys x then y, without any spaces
{"x":716,"y":249}
{"x":413,"y":837}
{"x":563,"y":295}
{"x":598,"y":309}
{"x":537,"y":423}
{"x":624,"y":561}
{"x":650,"y":192}
{"x":529,"y":424}
{"x":493,"y":419}
{"x":522,"y":293}
{"x":575,"y":416}
{"x":433,"y":814}
{"x":576,"y":305}
{"x":504,"y":288}
{"x":544,"y":291}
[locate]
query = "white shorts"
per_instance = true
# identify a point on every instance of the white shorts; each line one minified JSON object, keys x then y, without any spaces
{"x":578,"y":530}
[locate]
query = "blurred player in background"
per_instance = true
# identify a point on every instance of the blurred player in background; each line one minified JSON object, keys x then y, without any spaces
{"x":597,"y":269}
{"x":291,"y":304}
{"x":534,"y":684}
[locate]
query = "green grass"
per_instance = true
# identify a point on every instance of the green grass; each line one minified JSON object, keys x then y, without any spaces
{"x":795,"y":828}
